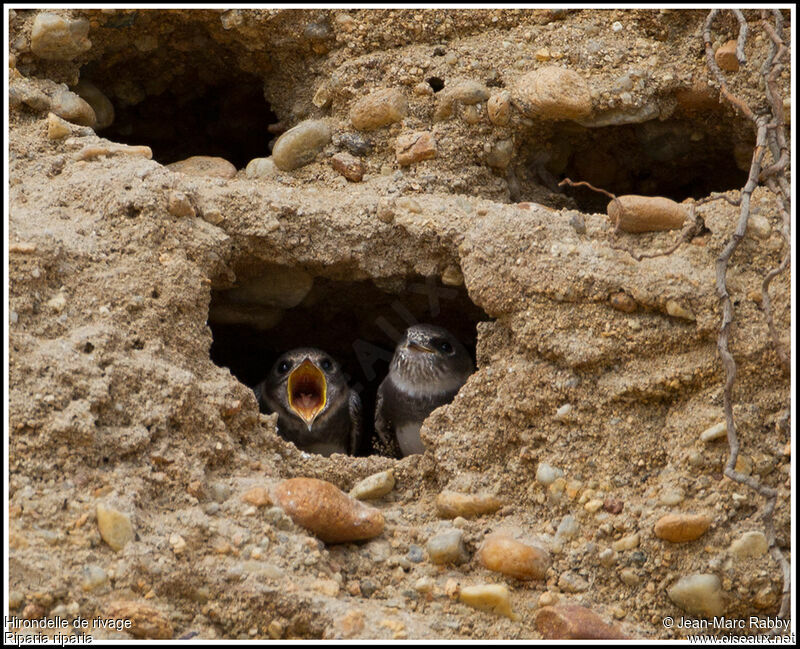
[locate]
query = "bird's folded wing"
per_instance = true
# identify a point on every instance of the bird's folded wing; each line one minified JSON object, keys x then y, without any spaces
{"x":354,"y":405}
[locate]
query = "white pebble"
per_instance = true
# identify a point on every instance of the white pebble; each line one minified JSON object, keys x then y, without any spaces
{"x":563,"y":412}
{"x":546,"y":474}
{"x":715,"y":432}
{"x":749,"y":544}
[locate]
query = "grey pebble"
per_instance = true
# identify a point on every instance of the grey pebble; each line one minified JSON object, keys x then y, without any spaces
{"x":578,"y":223}
{"x":415,"y":554}
{"x":368,"y":588}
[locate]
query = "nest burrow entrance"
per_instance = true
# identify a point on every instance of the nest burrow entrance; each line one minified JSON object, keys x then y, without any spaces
{"x":675,"y":158}
{"x":358,"y":323}
{"x":183,"y":95}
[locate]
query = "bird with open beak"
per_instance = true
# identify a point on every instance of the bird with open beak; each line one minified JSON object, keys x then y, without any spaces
{"x":428,"y":368}
{"x":316,"y":409}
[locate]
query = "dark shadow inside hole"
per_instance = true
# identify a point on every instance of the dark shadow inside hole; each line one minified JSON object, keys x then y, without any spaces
{"x":678,"y":159}
{"x":355,"y":322}
{"x":228,"y":119}
{"x":436,"y":83}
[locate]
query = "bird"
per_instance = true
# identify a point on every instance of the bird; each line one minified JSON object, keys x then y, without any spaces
{"x":317,"y":411}
{"x":428,"y":368}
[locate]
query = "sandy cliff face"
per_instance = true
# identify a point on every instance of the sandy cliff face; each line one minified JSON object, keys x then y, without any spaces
{"x":145,"y":301}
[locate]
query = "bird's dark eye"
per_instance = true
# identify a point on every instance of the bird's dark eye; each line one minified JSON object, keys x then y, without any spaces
{"x":444,"y":346}
{"x":284,"y":367}
{"x":326,"y":364}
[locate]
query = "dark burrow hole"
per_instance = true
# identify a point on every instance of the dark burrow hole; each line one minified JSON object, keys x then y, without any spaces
{"x":357,"y":323}
{"x":230,"y":120}
{"x":677,"y":158}
{"x":436,"y":83}
{"x":181,"y":94}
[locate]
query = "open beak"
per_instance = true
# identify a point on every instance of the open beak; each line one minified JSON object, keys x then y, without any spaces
{"x":416,"y":347}
{"x":307,"y":391}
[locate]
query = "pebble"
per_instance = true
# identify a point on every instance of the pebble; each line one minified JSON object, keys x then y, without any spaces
{"x":593,"y":505}
{"x":300,"y":144}
{"x":546,"y":474}
{"x":494,"y":598}
{"x":447,"y":547}
{"x":626,"y":543}
{"x":698,"y":594}
{"x":451,"y":58}
{"x":681,"y":528}
{"x":623,"y":302}
{"x":563,"y":413}
{"x":629,"y":577}
{"x":424,"y":585}
{"x":613,"y":505}
{"x":725,"y":56}
{"x":423,"y":88}
{"x":716,"y":431}
{"x":92,"y":151}
{"x":101,"y":105}
{"x":57,"y":302}
{"x":466,"y":92}
{"x":450,"y":504}
{"x":322,"y":97}
{"x":671,"y":497}
{"x":72,"y":108}
{"x":759,"y":226}
{"x":349,"y":166}
{"x":375,"y":486}
{"x":578,"y":223}
{"x":677,"y":310}
{"x":59,"y":39}
{"x":499,"y":108}
{"x":415,"y":554}
{"x":179,"y":205}
{"x":379,"y":108}
{"x":636,"y":213}
{"x":573,"y":622}
{"x":57,"y":127}
{"x":204,"y":165}
{"x":548,"y":598}
{"x":115,"y":527}
{"x":555,"y":93}
{"x":411,"y":148}
{"x":501,"y":553}
{"x":471,"y":114}
{"x":355,"y":143}
{"x":257,"y":496}
{"x":567,"y":528}
{"x":177,"y":542}
{"x":499,"y":156}
{"x":260,"y":168}
{"x":571,"y":582}
{"x":750,"y":545}
{"x":607,"y":557}
{"x":327,"y":512}
{"x":93,"y":577}
{"x":146,"y":621}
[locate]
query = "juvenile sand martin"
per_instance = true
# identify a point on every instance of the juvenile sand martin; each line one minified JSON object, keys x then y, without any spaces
{"x":316,"y":409}
{"x":428,"y":368}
